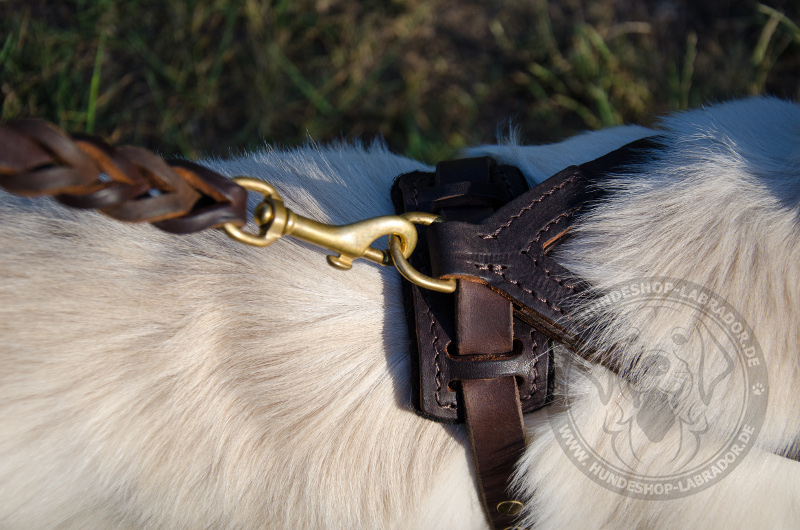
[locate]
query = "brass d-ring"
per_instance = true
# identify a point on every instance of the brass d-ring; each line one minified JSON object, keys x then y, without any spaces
{"x":410,"y":273}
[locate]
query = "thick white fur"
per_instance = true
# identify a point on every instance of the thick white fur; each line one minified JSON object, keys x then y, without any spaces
{"x":155,"y":381}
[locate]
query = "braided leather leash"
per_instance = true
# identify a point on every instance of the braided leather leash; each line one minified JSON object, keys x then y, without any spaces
{"x":126,"y":183}
{"x":135,"y":185}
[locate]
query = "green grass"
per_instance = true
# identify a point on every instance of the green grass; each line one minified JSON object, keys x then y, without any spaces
{"x":206,"y":77}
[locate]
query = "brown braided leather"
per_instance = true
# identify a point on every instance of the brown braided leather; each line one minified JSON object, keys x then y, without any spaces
{"x":126,"y":183}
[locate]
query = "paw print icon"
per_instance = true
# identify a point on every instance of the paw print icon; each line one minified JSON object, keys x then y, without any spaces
{"x":758,"y":389}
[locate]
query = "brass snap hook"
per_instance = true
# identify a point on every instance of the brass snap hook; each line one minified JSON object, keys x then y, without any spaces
{"x":350,"y":242}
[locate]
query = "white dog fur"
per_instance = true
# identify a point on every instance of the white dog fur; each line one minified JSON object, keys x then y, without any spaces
{"x":155,"y":381}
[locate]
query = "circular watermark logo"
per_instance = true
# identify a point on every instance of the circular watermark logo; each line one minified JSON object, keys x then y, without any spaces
{"x":688,"y":410}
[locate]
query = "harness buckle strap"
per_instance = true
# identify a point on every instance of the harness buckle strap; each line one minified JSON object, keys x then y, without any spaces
{"x":497,"y":438}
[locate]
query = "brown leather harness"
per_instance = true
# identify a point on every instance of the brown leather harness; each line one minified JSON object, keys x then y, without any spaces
{"x":484,"y":357}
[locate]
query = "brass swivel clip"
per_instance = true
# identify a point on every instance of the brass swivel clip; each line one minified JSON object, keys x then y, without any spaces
{"x":349,"y":242}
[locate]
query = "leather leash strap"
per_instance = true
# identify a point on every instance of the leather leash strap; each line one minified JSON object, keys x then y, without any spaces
{"x":126,"y":183}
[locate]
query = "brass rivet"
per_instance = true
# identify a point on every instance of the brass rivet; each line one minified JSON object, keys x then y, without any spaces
{"x":510,"y":507}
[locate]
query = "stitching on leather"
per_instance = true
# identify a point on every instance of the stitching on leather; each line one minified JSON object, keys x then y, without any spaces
{"x":496,"y":268}
{"x":551,"y":223}
{"x":547,"y":273}
{"x":436,"y":362}
{"x":536,"y":262}
{"x":437,"y":353}
{"x":516,"y":216}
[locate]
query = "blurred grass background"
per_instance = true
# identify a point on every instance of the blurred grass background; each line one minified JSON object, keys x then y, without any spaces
{"x":202,"y":77}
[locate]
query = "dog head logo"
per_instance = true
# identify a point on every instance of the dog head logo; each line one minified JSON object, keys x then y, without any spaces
{"x":667,"y":401}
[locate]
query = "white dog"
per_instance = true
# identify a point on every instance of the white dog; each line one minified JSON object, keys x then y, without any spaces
{"x":149,"y":380}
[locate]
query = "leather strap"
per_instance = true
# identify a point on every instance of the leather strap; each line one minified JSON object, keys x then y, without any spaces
{"x":484,"y":321}
{"x":475,"y":364}
{"x":484,"y":327}
{"x":491,"y":406}
{"x":126,"y":183}
{"x":497,"y":438}
{"x":509,"y":251}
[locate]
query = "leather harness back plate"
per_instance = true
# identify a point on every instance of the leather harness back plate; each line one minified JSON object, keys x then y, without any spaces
{"x":484,"y":356}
